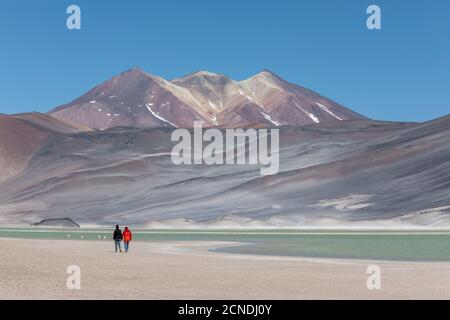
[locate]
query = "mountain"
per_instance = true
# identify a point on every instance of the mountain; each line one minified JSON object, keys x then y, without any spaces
{"x":336,"y":173}
{"x":332,"y":172}
{"x":21,"y":135}
{"x":135,"y":98}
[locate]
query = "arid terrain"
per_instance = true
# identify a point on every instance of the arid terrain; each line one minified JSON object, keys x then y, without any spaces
{"x":36,"y":269}
{"x":105,"y":158}
{"x":334,"y":173}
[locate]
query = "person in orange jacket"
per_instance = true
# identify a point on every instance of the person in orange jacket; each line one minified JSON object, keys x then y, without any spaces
{"x":127,"y":237}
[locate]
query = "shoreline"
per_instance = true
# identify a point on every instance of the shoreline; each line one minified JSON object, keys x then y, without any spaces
{"x":201,"y":248}
{"x":36,"y":269}
{"x":394,"y":246}
{"x":240,"y":228}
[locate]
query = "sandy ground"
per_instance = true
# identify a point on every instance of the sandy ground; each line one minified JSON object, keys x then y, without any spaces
{"x":36,"y":269}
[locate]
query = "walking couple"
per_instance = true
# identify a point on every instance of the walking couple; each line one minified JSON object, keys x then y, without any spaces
{"x":118,"y":236}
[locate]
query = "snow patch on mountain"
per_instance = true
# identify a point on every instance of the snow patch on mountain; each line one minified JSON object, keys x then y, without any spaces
{"x":267,"y":117}
{"x":321,"y":106}
{"x":156,"y":115}
{"x":212,"y":105}
{"x":313,"y":117}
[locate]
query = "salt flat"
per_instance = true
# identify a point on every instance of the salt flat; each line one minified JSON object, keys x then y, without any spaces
{"x":36,"y":269}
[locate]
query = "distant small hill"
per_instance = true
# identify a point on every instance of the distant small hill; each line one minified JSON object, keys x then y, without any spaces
{"x":58,"y":222}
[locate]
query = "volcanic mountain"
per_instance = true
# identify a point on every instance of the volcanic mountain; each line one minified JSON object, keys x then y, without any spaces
{"x":336,"y":167}
{"x":331,"y":173}
{"x":137,"y":99}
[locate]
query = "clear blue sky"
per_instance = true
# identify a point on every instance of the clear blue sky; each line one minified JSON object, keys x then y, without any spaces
{"x":399,"y":73}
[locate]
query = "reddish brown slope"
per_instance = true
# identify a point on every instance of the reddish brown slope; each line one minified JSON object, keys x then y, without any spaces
{"x":22,"y":134}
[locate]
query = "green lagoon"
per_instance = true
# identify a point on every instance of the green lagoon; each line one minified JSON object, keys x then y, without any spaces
{"x":396,"y":245}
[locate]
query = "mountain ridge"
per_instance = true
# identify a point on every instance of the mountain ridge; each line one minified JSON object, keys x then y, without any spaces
{"x":348,"y":172}
{"x":137,"y":98}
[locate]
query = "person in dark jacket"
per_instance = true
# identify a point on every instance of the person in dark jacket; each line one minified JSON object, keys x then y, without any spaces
{"x":117,"y":236}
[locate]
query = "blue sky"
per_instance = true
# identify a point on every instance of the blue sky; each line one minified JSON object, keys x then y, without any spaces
{"x":401,"y":72}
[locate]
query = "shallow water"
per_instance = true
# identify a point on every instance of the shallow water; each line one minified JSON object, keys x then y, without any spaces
{"x":362,"y":244}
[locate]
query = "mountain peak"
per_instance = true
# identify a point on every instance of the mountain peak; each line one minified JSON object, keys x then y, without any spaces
{"x":267,"y":75}
{"x":134,"y":72}
{"x":267,"y":72}
{"x":136,"y":98}
{"x":202,"y":79}
{"x":201,"y":74}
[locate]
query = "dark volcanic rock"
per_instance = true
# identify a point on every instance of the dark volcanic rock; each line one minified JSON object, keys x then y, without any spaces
{"x":57,"y":222}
